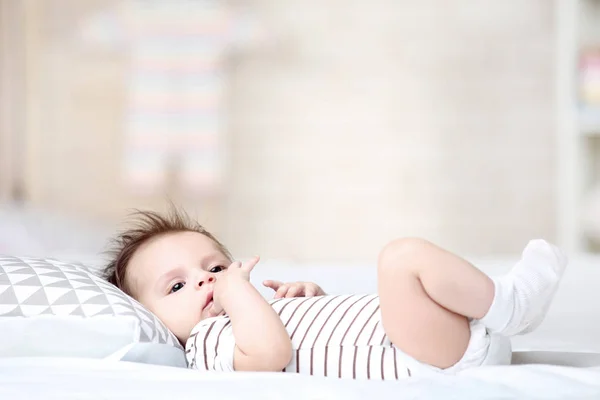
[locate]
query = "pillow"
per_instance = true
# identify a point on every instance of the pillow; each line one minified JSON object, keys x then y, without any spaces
{"x":33,"y":286}
{"x":105,"y":337}
{"x":67,"y":336}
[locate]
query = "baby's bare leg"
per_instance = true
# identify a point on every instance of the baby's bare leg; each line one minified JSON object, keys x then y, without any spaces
{"x":426,"y":295}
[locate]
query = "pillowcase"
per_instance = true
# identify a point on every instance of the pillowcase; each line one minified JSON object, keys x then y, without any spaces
{"x":67,"y":336}
{"x":32,"y":286}
{"x":107,"y":337}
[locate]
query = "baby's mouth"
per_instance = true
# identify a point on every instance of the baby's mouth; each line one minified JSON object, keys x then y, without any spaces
{"x":209,"y":302}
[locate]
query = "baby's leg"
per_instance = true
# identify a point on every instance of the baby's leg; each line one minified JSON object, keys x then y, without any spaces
{"x":426,"y":295}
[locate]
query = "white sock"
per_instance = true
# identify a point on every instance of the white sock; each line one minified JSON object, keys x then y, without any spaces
{"x":523,"y":296}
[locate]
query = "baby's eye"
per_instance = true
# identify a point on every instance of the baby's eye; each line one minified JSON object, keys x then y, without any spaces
{"x":176,"y":287}
{"x":216,"y":269}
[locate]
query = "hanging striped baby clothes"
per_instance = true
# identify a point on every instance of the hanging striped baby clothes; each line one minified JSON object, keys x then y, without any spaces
{"x":176,"y":87}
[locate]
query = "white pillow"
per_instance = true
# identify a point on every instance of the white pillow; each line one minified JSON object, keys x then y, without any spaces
{"x":48,"y":307}
{"x":104,"y":337}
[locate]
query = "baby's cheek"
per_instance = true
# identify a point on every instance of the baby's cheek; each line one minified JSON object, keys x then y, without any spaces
{"x":181,"y":322}
{"x":177,"y":315}
{"x":166,"y":316}
{"x":177,"y":327}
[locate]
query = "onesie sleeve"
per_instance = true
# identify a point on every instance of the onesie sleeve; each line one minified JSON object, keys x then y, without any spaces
{"x":211,"y":345}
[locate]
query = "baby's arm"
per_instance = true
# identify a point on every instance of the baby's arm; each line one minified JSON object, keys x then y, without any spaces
{"x":262,"y":343}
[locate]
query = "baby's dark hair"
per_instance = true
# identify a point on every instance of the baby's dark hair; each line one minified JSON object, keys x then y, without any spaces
{"x":146,"y":225}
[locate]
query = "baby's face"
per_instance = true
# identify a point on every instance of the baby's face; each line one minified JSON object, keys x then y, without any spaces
{"x":173,"y":275}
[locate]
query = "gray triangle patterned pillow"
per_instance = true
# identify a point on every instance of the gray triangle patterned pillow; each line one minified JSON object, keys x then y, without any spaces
{"x":34,"y":286}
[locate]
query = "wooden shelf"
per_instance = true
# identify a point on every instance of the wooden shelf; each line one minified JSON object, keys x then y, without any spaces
{"x":577,"y":126}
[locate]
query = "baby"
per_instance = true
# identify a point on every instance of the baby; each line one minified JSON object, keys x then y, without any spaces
{"x":434,"y":312}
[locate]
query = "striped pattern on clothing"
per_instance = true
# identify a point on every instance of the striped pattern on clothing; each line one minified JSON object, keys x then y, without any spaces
{"x":336,"y":336}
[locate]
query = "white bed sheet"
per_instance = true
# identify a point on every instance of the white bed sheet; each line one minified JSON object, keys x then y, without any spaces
{"x":61,"y":378}
{"x":573,"y":324}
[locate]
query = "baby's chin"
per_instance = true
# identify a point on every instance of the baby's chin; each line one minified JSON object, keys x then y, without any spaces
{"x":207,"y":313}
{"x":211,"y":313}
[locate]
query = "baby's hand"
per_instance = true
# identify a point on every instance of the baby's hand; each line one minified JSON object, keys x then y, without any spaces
{"x":240,"y":270}
{"x":294,"y":289}
{"x":226,"y":280}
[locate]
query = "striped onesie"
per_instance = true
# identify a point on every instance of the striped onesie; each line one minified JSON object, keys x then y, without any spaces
{"x":336,"y":336}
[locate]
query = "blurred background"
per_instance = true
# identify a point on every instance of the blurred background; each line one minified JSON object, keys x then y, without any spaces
{"x":304,"y":130}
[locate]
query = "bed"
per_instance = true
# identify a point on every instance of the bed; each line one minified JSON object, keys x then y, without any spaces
{"x":63,"y":378}
{"x":559,"y":360}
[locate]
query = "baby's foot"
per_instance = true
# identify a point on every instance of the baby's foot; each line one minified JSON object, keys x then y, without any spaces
{"x":534,"y":281}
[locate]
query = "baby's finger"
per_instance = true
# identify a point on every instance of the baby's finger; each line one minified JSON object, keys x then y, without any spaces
{"x":293,"y":292}
{"x":249,"y":265}
{"x":280,"y":293}
{"x":310,"y":291}
{"x":272,"y":284}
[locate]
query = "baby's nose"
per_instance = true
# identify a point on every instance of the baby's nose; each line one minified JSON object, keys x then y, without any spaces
{"x":210,"y":279}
